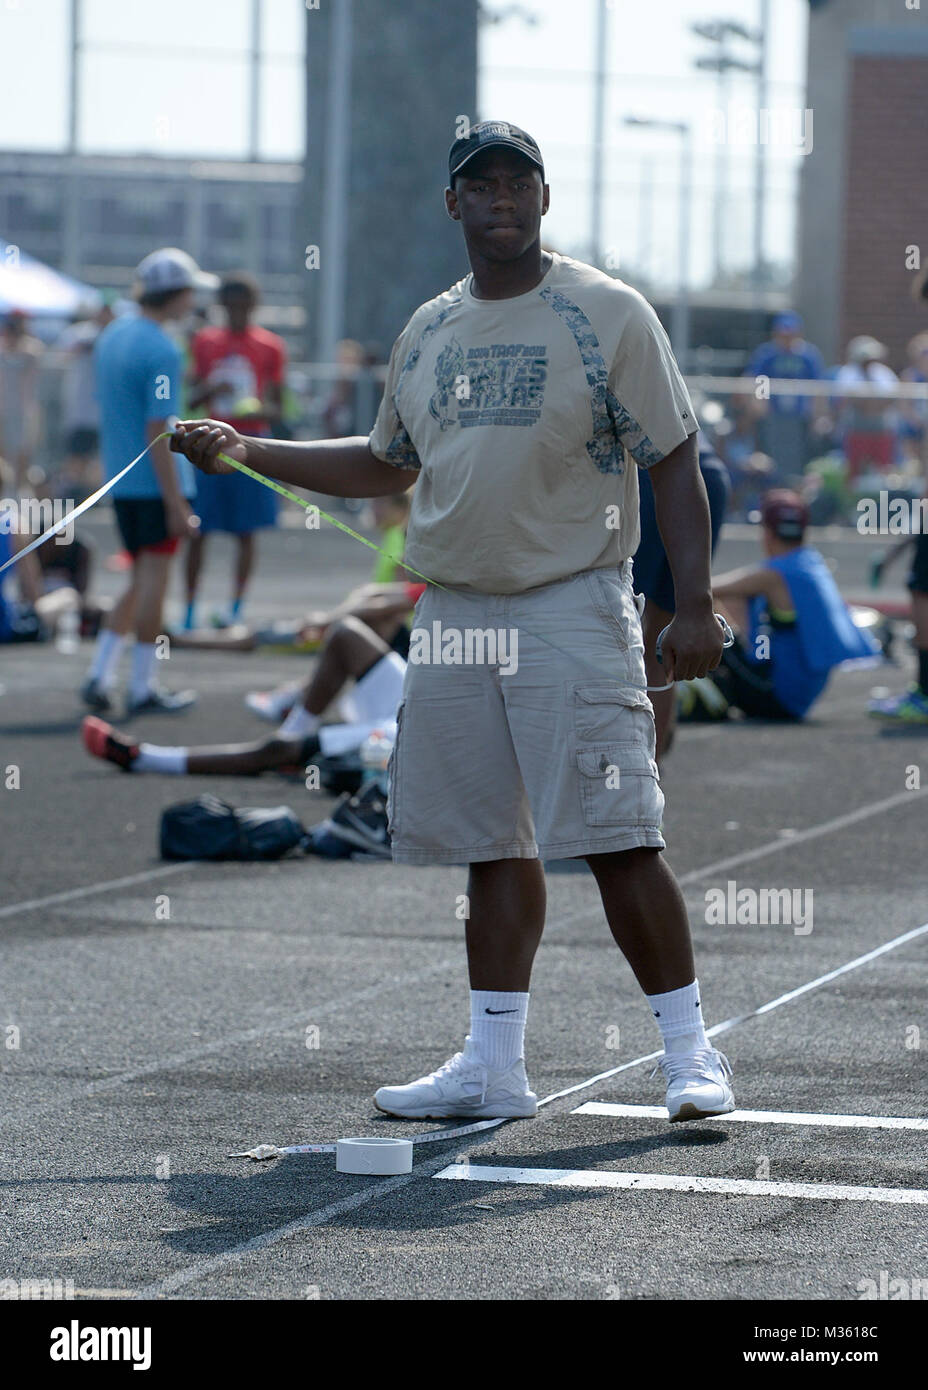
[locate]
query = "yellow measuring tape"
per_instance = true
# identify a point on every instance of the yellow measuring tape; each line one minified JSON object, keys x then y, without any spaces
{"x":307,"y":506}
{"x":311,"y":507}
{"x":242,"y":468}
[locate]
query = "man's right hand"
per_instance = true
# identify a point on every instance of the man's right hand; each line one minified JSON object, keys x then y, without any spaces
{"x":202,"y":441}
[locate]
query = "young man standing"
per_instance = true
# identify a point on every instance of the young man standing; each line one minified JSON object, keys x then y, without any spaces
{"x":139,"y":372}
{"x":514,"y":397}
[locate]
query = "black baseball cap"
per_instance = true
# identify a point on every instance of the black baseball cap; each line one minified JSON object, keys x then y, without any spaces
{"x":488,"y":134}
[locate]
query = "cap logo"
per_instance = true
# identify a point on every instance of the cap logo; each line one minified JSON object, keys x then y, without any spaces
{"x":492,"y":130}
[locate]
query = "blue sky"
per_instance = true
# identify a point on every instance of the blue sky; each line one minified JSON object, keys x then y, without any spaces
{"x":172,"y":79}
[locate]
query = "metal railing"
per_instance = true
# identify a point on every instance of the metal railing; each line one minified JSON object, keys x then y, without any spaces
{"x":837,"y":440}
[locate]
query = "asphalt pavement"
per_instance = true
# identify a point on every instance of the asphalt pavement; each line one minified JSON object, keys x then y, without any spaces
{"x":159,"y":1017}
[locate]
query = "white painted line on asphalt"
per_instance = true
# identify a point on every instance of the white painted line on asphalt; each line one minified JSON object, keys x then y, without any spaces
{"x":802,"y":837}
{"x":760,"y":1117}
{"x":279,"y":1026}
{"x":822,"y":979}
{"x":671,"y":1182}
{"x":212,"y":1265}
{"x":71,"y":894}
{"x":777,"y":846}
{"x":192,"y":1273}
{"x":730,"y":1023}
{"x":771,"y":847}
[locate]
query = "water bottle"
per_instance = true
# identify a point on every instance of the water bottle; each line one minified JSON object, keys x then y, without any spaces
{"x":375,"y":754}
{"x":67,"y":638}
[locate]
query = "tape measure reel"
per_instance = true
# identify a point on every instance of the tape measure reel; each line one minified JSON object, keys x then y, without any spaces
{"x":728,"y":640}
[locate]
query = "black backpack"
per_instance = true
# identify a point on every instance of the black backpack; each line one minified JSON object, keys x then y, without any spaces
{"x":212,"y":829}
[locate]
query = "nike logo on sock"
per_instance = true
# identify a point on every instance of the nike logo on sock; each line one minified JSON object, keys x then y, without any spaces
{"x":501,"y":1011}
{"x":657,"y":1015}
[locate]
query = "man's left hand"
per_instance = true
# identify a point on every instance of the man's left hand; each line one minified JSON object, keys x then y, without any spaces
{"x":692,"y":645}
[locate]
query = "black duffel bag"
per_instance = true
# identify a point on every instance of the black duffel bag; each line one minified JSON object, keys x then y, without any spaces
{"x":212,"y":829}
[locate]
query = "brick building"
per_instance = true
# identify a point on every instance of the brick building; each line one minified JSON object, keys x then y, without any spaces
{"x":863,"y":188}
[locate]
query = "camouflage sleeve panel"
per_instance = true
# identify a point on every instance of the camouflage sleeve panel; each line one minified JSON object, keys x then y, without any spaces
{"x":401,"y":451}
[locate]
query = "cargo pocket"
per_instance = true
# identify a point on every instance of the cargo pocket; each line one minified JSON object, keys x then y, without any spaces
{"x":614,"y":731}
{"x":611,"y":710}
{"x":392,"y":803}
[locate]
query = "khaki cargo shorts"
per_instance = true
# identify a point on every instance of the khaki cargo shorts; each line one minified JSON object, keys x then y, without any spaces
{"x":525,"y":730}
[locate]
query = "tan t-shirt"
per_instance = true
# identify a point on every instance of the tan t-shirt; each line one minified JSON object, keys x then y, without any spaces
{"x":521,"y":416}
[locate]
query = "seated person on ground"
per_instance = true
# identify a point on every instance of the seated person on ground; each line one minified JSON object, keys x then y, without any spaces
{"x":351,"y":650}
{"x":385,"y":604}
{"x":33,"y":615}
{"x":792,"y":627}
{"x":355,"y":647}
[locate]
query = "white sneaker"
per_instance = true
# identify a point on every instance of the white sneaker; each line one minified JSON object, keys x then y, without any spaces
{"x":273,"y":705}
{"x":463,"y":1087}
{"x":697,"y":1084}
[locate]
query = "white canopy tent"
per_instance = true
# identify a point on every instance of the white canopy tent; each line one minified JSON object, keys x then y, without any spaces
{"x":38,"y":290}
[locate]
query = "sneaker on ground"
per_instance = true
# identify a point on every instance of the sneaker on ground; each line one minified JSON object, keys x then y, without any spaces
{"x":102,"y":741}
{"x":910,"y":708}
{"x":272,"y":705}
{"x":94,"y":696}
{"x":700,"y":701}
{"x":361,"y":820}
{"x":465,"y":1088}
{"x":697,"y":1084}
{"x":160,"y":701}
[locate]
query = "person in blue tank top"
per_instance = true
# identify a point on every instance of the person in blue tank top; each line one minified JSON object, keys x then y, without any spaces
{"x":792,"y":627}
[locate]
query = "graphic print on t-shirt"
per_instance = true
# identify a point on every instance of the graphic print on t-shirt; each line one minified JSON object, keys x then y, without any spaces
{"x":235,"y":380}
{"x":498,"y":384}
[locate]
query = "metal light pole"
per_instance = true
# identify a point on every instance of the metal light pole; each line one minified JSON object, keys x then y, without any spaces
{"x":645,"y":215}
{"x":599,"y":126}
{"x":680,"y":314}
{"x":71,"y":228}
{"x":680,"y":321}
{"x":721,"y":175}
{"x":74,"y":75}
{"x":718,"y":32}
{"x":254,"y":97}
{"x":760,"y":152}
{"x":334,"y":252}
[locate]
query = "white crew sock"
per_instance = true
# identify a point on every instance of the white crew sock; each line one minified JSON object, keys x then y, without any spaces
{"x":679,"y":1017}
{"x":106,"y":656}
{"x":143,"y":665}
{"x":299,"y":723}
{"x":152,"y":758}
{"x":497,"y":1026}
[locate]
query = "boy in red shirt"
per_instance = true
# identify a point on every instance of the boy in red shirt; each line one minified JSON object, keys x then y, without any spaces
{"x":238,"y":369}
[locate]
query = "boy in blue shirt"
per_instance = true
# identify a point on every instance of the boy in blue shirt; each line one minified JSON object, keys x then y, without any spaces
{"x":139,"y":372}
{"x":792,"y":626}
